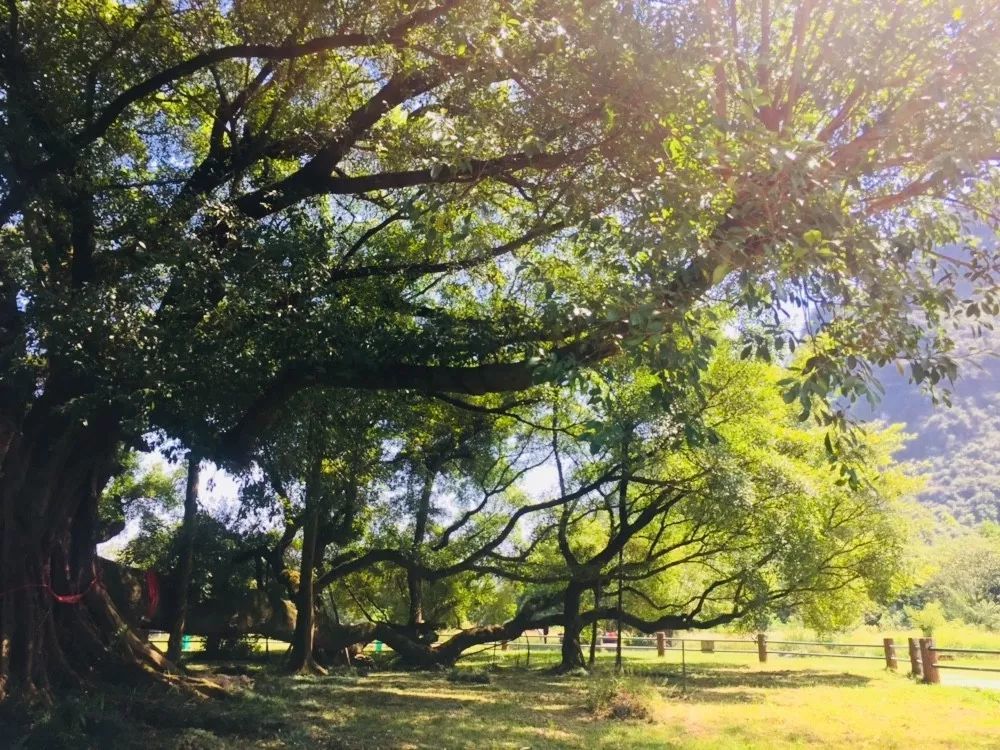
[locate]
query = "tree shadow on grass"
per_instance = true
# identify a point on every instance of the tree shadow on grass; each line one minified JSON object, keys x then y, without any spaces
{"x":433,"y":713}
{"x":524,"y":708}
{"x":381,"y":711}
{"x":247,"y":715}
{"x":725,"y":686}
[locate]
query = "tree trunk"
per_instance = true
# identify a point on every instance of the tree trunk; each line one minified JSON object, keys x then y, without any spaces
{"x":593,"y":627}
{"x":414,"y":584}
{"x":302,"y":659}
{"x":618,"y":620}
{"x":414,"y":587}
{"x":572,"y":650}
{"x":186,"y":564}
{"x":57,"y":625}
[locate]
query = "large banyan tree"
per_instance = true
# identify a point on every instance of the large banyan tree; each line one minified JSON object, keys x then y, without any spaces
{"x":211,"y":207}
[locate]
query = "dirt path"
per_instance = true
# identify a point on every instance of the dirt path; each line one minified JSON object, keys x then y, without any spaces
{"x":971,"y":679}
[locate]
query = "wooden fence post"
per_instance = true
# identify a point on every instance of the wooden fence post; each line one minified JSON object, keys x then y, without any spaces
{"x":928,"y":658}
{"x":708,"y":647}
{"x":762,"y":647}
{"x":503,"y":645}
{"x":660,"y":645}
{"x":916,"y":669}
{"x":890,"y":654}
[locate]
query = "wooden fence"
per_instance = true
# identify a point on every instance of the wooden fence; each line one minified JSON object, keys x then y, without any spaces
{"x":925,"y":663}
{"x":926,"y":659}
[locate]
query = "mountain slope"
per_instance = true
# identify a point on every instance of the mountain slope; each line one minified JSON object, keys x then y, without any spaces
{"x":957,"y":447}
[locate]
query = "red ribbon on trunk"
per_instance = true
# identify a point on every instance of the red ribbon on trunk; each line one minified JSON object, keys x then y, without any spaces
{"x":61,"y":598}
{"x":72,"y":598}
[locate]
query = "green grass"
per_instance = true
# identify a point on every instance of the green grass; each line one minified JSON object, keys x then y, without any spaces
{"x":951,"y":634}
{"x":724,"y":703}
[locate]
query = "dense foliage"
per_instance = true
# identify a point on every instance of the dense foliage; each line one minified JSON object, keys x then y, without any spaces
{"x":958,"y":580}
{"x":217,"y":214}
{"x":721,"y":509}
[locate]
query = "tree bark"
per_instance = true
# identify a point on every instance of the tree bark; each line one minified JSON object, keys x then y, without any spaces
{"x":414,"y":587}
{"x":593,"y":627}
{"x":572,"y":650}
{"x":186,"y":564}
{"x":57,"y":625}
{"x":302,"y":658}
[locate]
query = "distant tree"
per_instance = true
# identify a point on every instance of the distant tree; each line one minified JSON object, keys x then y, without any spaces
{"x":318,"y":468}
{"x":708,"y":512}
{"x":219,"y":579}
{"x":698,"y":530}
{"x":967,"y":582}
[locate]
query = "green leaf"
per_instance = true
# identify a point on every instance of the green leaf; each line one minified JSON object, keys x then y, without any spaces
{"x":398,"y":116}
{"x":812,"y":237}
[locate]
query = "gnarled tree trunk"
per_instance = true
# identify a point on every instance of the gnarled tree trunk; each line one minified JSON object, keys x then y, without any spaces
{"x":57,"y":625}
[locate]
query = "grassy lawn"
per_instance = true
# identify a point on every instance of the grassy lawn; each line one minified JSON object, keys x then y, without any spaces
{"x":723,"y":703}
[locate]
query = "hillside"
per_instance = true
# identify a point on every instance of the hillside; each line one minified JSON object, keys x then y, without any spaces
{"x":958,"y":447}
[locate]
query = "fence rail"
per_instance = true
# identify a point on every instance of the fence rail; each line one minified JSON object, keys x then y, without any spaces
{"x":830,"y":644}
{"x":964,"y":651}
{"x":833,"y":656}
{"x":922,"y":652}
{"x":925,"y":664}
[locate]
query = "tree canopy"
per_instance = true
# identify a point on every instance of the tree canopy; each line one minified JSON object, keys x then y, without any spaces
{"x":212,"y":209}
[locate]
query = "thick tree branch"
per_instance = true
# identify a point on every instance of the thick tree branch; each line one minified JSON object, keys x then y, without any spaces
{"x":413,"y":270}
{"x":304,"y":183}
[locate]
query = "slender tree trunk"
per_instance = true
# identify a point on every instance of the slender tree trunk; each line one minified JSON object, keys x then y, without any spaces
{"x":302,"y":659}
{"x":414,"y":583}
{"x":618,"y":640}
{"x":593,"y":627}
{"x":186,"y":564}
{"x":572,"y":650}
{"x":414,"y":587}
{"x":8,"y":589}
